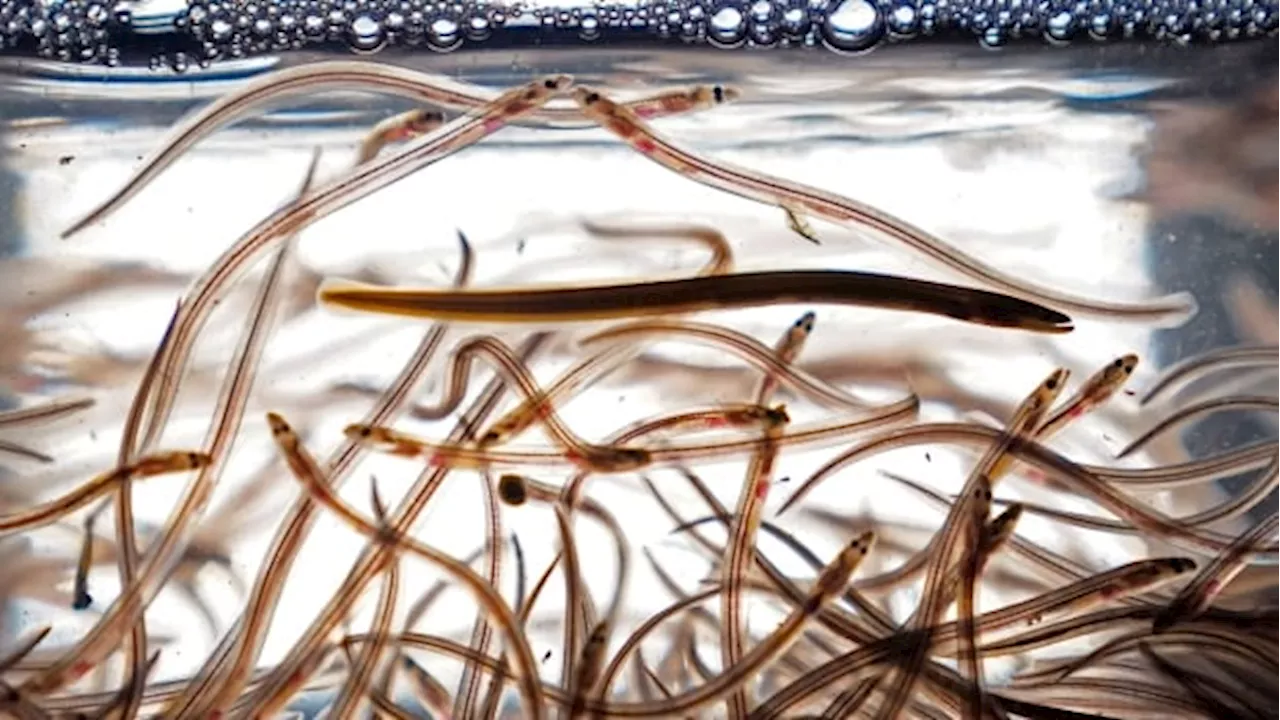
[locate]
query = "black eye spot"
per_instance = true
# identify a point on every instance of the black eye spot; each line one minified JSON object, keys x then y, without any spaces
{"x":511,"y":489}
{"x":550,"y":84}
{"x":592,"y":98}
{"x":1119,"y":363}
{"x":1052,"y":383}
{"x":717,"y":92}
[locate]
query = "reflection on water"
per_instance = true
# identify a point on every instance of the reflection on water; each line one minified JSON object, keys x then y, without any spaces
{"x":1117,"y":172}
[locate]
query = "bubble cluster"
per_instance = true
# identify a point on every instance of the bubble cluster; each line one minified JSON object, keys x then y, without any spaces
{"x":208,"y":30}
{"x":73,"y":30}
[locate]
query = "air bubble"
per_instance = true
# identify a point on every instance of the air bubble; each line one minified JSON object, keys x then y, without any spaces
{"x":1060,"y":27}
{"x":902,"y":21}
{"x":854,"y":26}
{"x":795,"y":22}
{"x":443,"y":34}
{"x":96,"y":15}
{"x":365,"y":34}
{"x":478,"y":27}
{"x":727,"y":27}
{"x":313,"y":25}
{"x":589,"y":28}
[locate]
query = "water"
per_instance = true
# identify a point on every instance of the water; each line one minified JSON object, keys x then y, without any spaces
{"x":1124,"y":171}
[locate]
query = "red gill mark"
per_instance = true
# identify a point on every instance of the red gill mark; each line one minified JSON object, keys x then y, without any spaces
{"x":79,"y":669}
{"x":644,"y":145}
{"x":493,"y":124}
{"x":762,"y":489}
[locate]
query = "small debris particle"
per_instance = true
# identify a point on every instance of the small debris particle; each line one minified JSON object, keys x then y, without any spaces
{"x":66,"y":159}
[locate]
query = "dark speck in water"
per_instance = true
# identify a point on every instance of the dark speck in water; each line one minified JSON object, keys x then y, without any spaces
{"x":66,"y":159}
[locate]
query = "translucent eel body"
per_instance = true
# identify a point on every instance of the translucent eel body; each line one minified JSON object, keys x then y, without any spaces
{"x":795,"y":197}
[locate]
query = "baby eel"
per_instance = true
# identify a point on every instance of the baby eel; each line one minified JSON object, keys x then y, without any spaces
{"x":1028,"y":415}
{"x":44,"y":412}
{"x":459,"y":455}
{"x":1188,"y":526}
{"x":230,"y":665}
{"x":1190,"y":412}
{"x":481,"y":630}
{"x":520,"y":418}
{"x":738,"y":554}
{"x":1057,"y":566}
{"x":34,"y":415}
{"x":963,"y":586}
{"x":228,"y":413}
{"x":312,"y":478}
{"x":331,"y":76}
{"x":126,"y":536}
{"x":964,"y":521}
{"x":1199,"y":594}
{"x":1105,"y":587}
{"x":609,"y":459}
{"x":357,"y":685}
{"x":1224,"y":644}
{"x":1090,"y":482}
{"x":796,"y":197}
{"x":550,"y":305}
{"x":164,"y":463}
{"x":276,"y":681}
{"x":333,"y":196}
{"x":786,"y":350}
{"x":829,"y":583}
{"x":721,"y":260}
{"x":1201,"y":365}
{"x":740,"y":344}
{"x":1096,"y":390}
{"x":582,"y":661}
{"x":397,"y":129}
